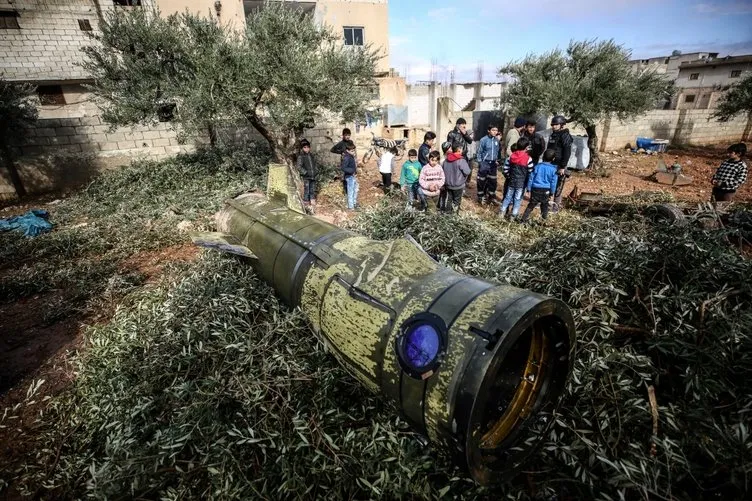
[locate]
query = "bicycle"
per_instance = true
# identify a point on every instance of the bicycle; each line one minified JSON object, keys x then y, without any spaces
{"x":382,"y":143}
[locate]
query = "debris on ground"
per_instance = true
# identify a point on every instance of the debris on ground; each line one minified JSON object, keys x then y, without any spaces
{"x":33,"y":223}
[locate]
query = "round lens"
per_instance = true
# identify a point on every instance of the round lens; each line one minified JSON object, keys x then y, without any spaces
{"x":421,"y":345}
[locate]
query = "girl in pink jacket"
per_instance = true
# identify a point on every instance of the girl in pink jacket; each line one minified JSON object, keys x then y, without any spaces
{"x":432,"y":177}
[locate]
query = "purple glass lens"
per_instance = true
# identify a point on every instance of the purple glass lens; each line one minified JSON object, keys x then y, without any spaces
{"x":421,"y":346}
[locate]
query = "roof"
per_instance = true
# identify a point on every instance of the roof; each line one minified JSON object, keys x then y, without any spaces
{"x":721,"y":61}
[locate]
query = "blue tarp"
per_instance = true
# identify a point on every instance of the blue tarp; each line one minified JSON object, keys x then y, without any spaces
{"x":32,"y":223}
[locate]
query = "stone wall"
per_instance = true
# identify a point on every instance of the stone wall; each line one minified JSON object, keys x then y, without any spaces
{"x":691,"y":127}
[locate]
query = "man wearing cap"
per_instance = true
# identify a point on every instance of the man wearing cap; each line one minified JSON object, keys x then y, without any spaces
{"x":514,"y":134}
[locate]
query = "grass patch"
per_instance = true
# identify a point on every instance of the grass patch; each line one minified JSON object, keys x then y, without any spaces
{"x":205,"y":387}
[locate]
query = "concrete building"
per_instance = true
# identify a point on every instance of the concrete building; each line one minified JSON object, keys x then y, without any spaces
{"x":702,"y":82}
{"x":358,"y":22}
{"x":669,"y":65}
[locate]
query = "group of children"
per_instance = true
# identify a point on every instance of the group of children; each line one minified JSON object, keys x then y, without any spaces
{"x":427,"y":181}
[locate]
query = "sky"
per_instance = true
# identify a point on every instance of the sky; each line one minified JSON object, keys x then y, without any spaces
{"x":466,"y":34}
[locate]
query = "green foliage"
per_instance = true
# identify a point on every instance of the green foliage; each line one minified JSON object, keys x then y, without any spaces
{"x":206,"y":387}
{"x":18,"y":109}
{"x":589,"y":82}
{"x":737,"y":100}
{"x":280,"y":76}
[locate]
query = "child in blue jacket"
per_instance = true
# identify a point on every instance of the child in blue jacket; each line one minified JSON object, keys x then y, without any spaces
{"x":541,"y":185}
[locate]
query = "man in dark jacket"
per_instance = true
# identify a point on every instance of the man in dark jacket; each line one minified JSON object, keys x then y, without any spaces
{"x":306,"y":165}
{"x":561,"y":142}
{"x":537,"y":142}
{"x":459,"y":136}
{"x":340,"y":148}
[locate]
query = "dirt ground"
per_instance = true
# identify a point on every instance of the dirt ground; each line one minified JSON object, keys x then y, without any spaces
{"x":627,"y":173}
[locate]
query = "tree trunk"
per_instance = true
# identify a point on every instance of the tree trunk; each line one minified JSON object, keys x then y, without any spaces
{"x":15,"y":178}
{"x":592,"y":142}
{"x":277,"y":147}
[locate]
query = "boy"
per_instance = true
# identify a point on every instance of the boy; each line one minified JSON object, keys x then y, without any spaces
{"x":460,"y":136}
{"x":456,"y":171}
{"x":432,"y":178}
{"x":561,"y":142}
{"x":516,"y":171}
{"x":537,"y":142}
{"x":488,"y":158}
{"x":306,"y":165}
{"x":349,"y":172}
{"x":385,"y":167}
{"x":731,"y":174}
{"x":340,"y":148}
{"x":425,"y":149}
{"x":541,"y":185}
{"x":409,"y":179}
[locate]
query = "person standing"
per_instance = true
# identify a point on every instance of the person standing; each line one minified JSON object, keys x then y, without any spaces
{"x":561,"y":142}
{"x":488,"y":160}
{"x":349,"y":171}
{"x":513,"y":135}
{"x":306,"y":165}
{"x":431,"y":180}
{"x":731,"y":174}
{"x":459,"y":136}
{"x":537,"y":142}
{"x":425,"y":149}
{"x":410,"y":180}
{"x":340,"y":148}
{"x":456,"y":172}
{"x":541,"y":185}
{"x":385,"y":167}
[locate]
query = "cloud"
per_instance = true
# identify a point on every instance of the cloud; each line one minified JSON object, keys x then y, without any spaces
{"x":725,"y":8}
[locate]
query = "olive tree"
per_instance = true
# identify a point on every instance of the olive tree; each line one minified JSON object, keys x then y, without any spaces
{"x":18,"y":111}
{"x":281,"y":75}
{"x":589,"y":82}
{"x":737,"y":100}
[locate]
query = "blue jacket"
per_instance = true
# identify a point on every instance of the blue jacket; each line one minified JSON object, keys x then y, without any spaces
{"x":488,"y":150}
{"x":349,"y":165}
{"x":543,"y":177}
{"x":423,"y":152}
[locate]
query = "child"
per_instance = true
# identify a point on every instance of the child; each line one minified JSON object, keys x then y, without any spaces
{"x":340,"y":148}
{"x":409,"y":179}
{"x":541,"y":185}
{"x":561,"y":142}
{"x":516,"y":170}
{"x":731,"y":174}
{"x":456,"y":171}
{"x":488,"y":158}
{"x":349,"y":172}
{"x":385,"y":167}
{"x":425,"y":148}
{"x":306,"y":165}
{"x":432,"y":178}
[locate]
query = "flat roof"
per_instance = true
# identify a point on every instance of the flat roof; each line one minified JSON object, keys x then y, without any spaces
{"x":720,"y":61}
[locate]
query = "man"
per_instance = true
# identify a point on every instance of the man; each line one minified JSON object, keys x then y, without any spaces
{"x":459,"y":136}
{"x":561,"y":142}
{"x":488,"y":160}
{"x":537,"y":142}
{"x":513,"y":135}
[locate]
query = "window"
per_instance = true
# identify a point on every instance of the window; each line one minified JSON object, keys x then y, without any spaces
{"x":353,"y":35}
{"x":694,"y":76}
{"x":127,"y":3}
{"x":50,"y":94}
{"x":9,"y":20}
{"x":689,"y":99}
{"x":736,"y":73}
{"x":84,"y":25}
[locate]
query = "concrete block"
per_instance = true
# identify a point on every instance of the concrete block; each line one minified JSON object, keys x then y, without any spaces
{"x":90,"y":120}
{"x":152,"y":134}
{"x":60,"y":140}
{"x":65,"y":131}
{"x":125,"y":145}
{"x":108,"y":146}
{"x":115,"y":137}
{"x":98,"y":138}
{"x":79,"y":139}
{"x":162,"y":141}
{"x":45,"y":132}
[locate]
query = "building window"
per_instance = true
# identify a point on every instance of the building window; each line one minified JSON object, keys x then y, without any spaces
{"x":694,"y":76}
{"x":84,"y":25}
{"x":127,"y":3}
{"x":689,"y":99}
{"x":9,"y":20}
{"x":50,"y":94}
{"x":353,"y":35}
{"x":736,"y":73}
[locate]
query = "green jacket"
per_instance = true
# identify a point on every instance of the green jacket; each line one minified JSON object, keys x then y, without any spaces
{"x":410,"y":173}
